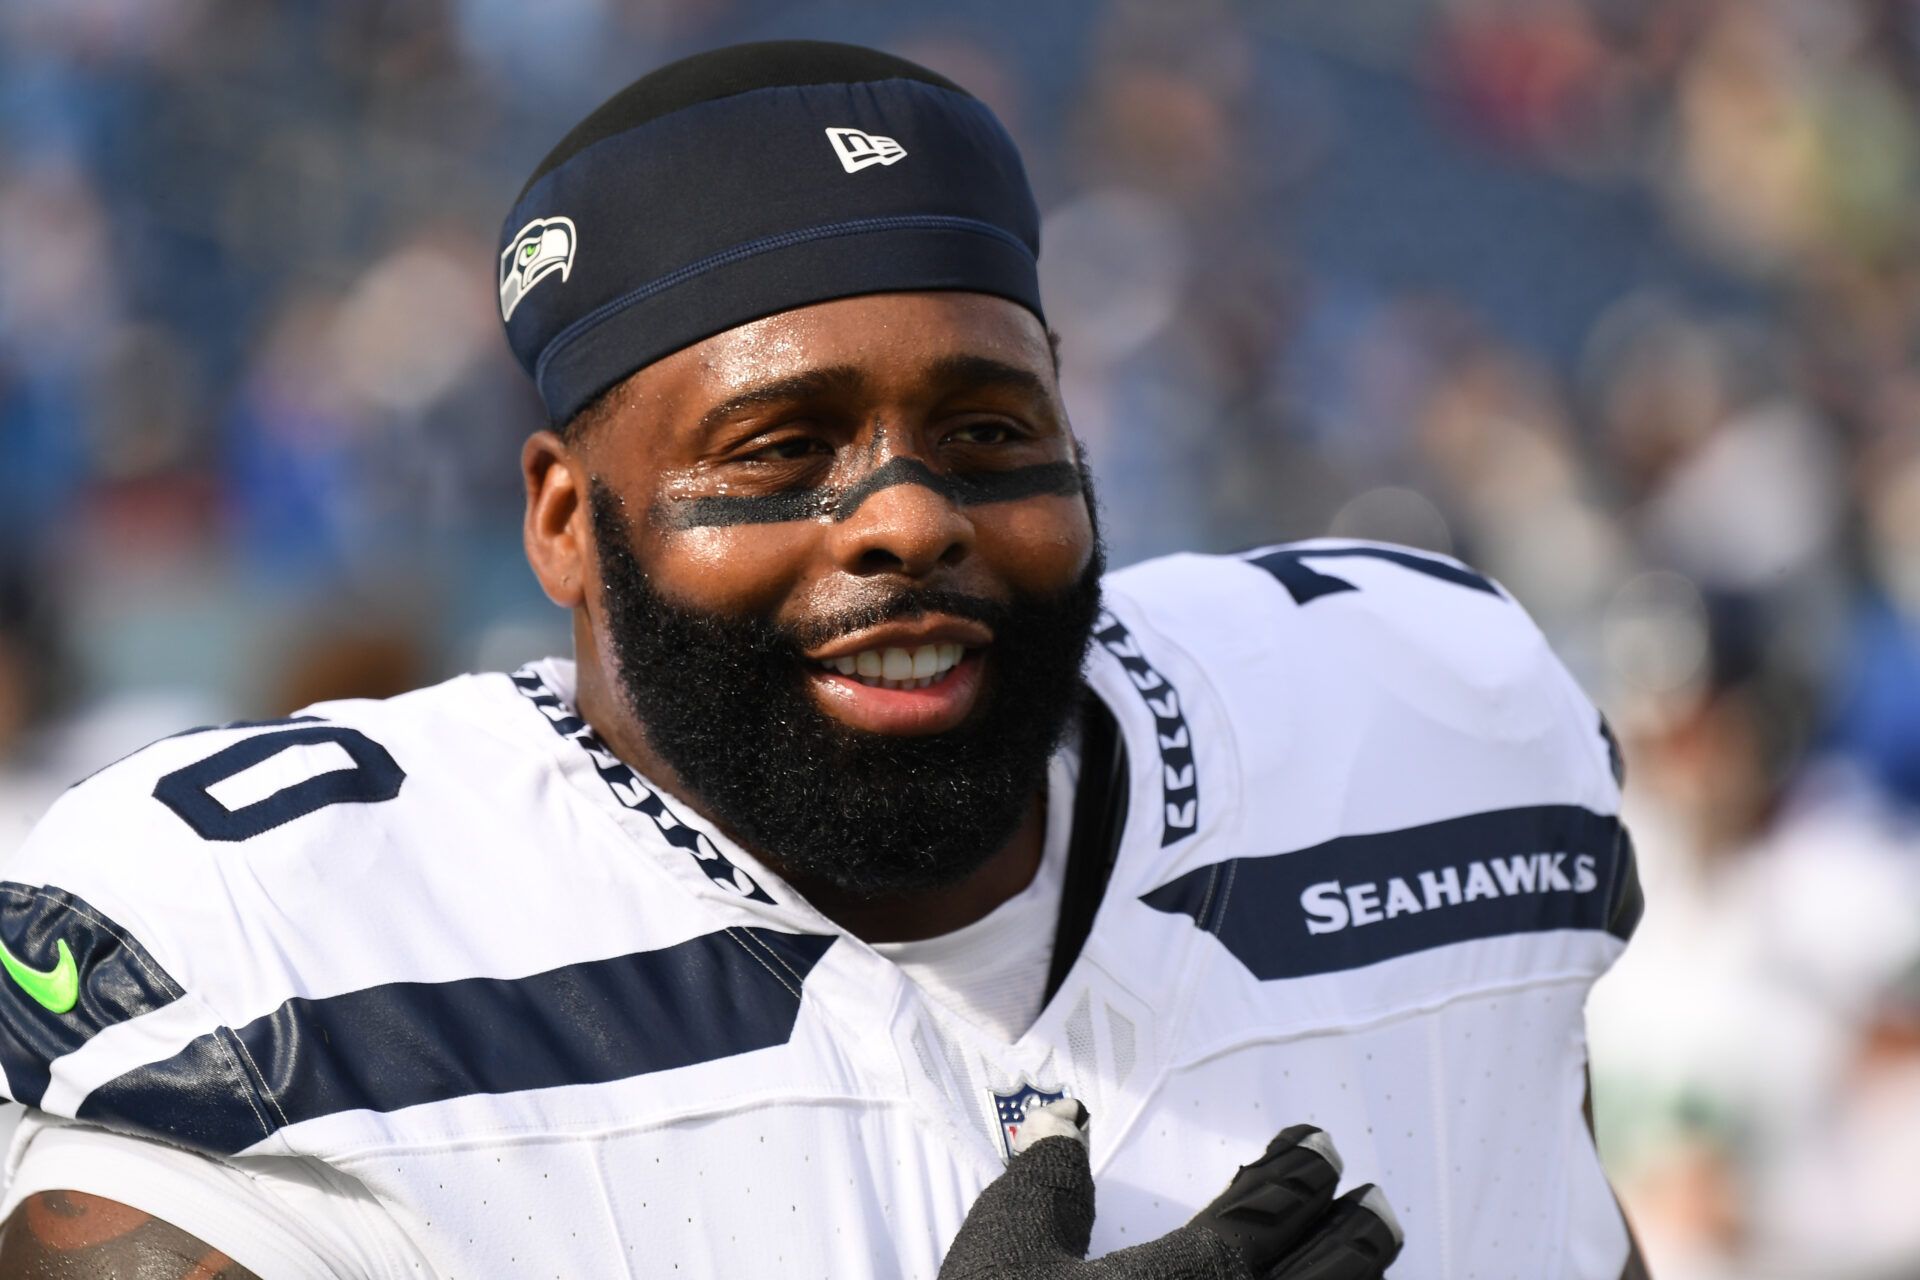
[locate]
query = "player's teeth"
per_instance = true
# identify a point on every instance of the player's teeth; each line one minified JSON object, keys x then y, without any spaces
{"x":926,"y":661}
{"x":899,"y":668}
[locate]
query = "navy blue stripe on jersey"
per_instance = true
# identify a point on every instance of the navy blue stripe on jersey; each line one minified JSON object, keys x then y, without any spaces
{"x":635,"y":794}
{"x":1357,"y":900}
{"x":406,"y":1043}
{"x":117,"y":980}
{"x":1179,"y":775}
{"x":1306,"y":584}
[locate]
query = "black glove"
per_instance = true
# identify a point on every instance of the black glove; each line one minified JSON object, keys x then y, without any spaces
{"x":1277,"y":1220}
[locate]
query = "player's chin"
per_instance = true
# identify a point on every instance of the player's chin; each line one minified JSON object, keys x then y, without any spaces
{"x":940,"y":704}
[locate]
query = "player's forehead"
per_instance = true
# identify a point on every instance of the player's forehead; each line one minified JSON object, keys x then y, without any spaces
{"x":877,"y":346}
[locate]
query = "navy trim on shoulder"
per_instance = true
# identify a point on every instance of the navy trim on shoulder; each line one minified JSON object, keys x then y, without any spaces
{"x":402,"y":1044}
{"x":1629,"y":900}
{"x":1179,"y":773}
{"x":1360,"y":899}
{"x":48,"y":929}
{"x":630,"y":791}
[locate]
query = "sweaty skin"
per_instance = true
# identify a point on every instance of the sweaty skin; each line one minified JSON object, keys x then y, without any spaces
{"x":843,"y":504}
{"x":68,"y":1235}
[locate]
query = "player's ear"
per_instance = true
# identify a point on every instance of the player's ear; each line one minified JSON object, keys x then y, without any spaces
{"x":557,"y":529}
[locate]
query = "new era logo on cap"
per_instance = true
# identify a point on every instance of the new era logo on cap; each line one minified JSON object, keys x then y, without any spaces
{"x":858,"y":149}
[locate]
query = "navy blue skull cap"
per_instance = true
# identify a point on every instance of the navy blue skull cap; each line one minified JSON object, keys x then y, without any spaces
{"x":747,"y":181}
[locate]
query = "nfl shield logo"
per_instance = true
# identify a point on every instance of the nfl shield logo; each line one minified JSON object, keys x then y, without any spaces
{"x":1010,"y":1107}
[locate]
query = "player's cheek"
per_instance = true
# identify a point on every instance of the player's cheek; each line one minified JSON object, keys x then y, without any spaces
{"x":1038,"y":545}
{"x":735,"y":569}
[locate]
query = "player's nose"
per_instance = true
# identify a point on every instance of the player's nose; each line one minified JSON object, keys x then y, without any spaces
{"x":907,"y":528}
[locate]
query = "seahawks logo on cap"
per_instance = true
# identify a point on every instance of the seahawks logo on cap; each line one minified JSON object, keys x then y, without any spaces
{"x":542,"y":247}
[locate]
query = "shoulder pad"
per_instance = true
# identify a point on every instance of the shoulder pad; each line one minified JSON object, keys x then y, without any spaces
{"x":1371,"y":625}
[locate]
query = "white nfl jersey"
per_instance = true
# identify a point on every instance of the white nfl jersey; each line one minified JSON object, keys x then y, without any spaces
{"x":448,"y":947}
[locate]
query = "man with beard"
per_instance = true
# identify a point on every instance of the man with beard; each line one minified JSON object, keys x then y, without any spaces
{"x":872,"y":842}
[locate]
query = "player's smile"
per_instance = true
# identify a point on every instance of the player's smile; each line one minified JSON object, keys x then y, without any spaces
{"x":834,"y":573}
{"x":807,"y":467}
{"x":904,"y":677}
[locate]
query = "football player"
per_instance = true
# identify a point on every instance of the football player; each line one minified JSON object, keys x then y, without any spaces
{"x":872,"y":839}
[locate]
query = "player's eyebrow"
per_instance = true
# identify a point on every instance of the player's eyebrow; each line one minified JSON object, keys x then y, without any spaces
{"x":969,"y":372}
{"x":800,"y":386}
{"x":949,"y":374}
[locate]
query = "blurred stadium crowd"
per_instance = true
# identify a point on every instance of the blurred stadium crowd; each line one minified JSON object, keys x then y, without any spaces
{"x":1617,"y":299}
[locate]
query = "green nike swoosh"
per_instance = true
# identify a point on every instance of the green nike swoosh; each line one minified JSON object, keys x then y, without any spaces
{"x":57,"y":989}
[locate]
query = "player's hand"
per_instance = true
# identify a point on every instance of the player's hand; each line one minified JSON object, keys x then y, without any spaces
{"x":1277,"y":1220}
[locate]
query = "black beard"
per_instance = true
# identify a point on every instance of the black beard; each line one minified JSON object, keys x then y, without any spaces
{"x":723,"y":699}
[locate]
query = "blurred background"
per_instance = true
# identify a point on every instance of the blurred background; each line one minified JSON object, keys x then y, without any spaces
{"x":1617,"y":299}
